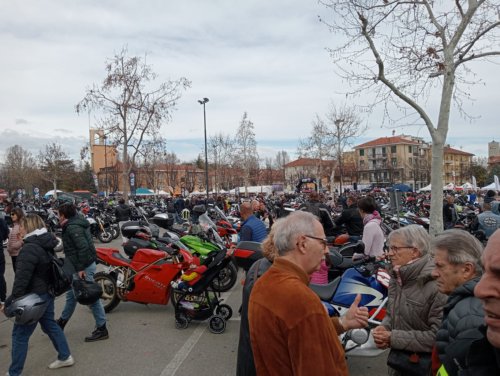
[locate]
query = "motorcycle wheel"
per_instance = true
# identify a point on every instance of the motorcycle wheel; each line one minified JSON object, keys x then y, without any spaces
{"x":174,"y":297}
{"x":226,"y":278}
{"x":181,"y":321}
{"x":115,"y":232}
{"x":105,"y":237}
{"x":225,"y":311}
{"x":217,"y":324}
{"x":109,"y":297}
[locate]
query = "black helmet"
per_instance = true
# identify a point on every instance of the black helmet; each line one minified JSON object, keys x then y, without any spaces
{"x":86,"y":292}
{"x":27,"y":309}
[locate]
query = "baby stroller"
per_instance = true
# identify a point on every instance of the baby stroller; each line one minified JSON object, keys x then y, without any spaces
{"x":194,"y":298}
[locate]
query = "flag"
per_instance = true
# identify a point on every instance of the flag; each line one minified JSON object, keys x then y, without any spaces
{"x":497,"y":184}
{"x":474,"y":182}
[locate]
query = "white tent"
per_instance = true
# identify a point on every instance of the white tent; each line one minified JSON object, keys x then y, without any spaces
{"x":254,"y":189}
{"x":467,"y":186}
{"x":488,"y":187}
{"x":449,"y":187}
{"x":424,"y":189}
{"x":51,"y":193}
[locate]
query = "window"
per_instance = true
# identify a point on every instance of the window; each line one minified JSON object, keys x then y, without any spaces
{"x":362,"y":164}
{"x":393,"y":148}
{"x":410,"y":149}
{"x":385,"y":175}
{"x":361,"y":152}
{"x":373,"y":152}
{"x":383,"y":150}
{"x":410,"y":161}
{"x":394,"y":162}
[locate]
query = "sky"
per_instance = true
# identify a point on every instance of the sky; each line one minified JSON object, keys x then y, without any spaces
{"x":266,"y":58}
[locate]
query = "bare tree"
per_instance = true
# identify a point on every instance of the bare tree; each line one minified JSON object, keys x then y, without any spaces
{"x":129,"y":112}
{"x":220,"y":153}
{"x":319,"y":146}
{"x":281,"y":159}
{"x":55,"y":165}
{"x":246,"y":156}
{"x":19,"y":169}
{"x":344,"y":127}
{"x":403,"y":51}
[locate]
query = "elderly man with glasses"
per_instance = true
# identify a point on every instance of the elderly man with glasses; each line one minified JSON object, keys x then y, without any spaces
{"x":290,"y":331}
{"x":415,"y":305}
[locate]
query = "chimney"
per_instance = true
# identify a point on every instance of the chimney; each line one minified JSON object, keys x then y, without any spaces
{"x":393,"y":132}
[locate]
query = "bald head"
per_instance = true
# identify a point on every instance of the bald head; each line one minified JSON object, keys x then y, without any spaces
{"x":246,"y":210}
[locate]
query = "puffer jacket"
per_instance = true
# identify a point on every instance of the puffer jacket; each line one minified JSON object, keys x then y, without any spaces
{"x":77,"y":241}
{"x":462,"y":317}
{"x":415,"y":307}
{"x":15,"y":243}
{"x":33,"y":264}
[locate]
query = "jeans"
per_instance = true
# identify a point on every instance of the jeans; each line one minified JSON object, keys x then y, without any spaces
{"x":97,"y":308}
{"x":22,"y":333}
{"x":3,"y":284}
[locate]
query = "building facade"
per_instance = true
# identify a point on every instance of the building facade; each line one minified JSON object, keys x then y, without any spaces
{"x":386,"y":161}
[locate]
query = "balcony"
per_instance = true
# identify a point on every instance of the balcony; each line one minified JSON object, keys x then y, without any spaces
{"x":377,"y":156}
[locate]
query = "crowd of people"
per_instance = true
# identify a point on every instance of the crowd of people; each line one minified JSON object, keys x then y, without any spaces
{"x":444,"y":295}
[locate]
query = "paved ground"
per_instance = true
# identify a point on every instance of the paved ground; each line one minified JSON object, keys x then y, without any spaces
{"x":144,"y":341}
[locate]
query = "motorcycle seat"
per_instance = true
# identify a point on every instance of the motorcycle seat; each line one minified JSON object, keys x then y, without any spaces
{"x":251,"y":246}
{"x":119,"y":256}
{"x":325,"y":292}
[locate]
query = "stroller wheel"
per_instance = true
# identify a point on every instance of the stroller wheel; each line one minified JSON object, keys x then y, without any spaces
{"x":225,"y":311}
{"x":181,"y":321}
{"x":217,"y":324}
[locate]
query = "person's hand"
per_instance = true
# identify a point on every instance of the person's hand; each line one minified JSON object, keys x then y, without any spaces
{"x":356,"y":317}
{"x":81,"y":274}
{"x":382,"y":337}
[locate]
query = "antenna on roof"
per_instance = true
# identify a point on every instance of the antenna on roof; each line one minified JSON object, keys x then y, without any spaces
{"x":393,"y":132}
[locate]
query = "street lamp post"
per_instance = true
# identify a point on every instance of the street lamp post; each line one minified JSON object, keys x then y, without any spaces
{"x":105,"y":166}
{"x":203,"y":102}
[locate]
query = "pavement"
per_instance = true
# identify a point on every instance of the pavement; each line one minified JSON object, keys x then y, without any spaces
{"x":144,"y":341}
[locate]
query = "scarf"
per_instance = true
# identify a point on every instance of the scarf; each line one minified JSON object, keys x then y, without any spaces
{"x":367,"y":218}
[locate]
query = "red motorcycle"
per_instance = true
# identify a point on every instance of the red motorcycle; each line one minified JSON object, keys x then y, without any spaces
{"x":143,"y":279}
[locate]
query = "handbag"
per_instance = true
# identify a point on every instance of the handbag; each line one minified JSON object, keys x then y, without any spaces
{"x":410,"y":363}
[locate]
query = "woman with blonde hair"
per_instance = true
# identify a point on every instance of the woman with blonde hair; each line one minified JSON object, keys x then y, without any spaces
{"x":32,"y":277}
{"x":15,"y":240}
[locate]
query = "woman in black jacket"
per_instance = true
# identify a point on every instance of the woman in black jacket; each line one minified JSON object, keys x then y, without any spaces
{"x":32,"y":276}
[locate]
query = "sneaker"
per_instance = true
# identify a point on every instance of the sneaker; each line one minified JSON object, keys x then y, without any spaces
{"x":98,"y":334}
{"x":62,"y":363}
{"x":61,"y":322}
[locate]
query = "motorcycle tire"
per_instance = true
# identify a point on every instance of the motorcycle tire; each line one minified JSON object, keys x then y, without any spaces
{"x":105,"y":237}
{"x":225,"y":311}
{"x":174,"y":297}
{"x":217,"y":324}
{"x":115,"y":232}
{"x":181,"y":321}
{"x":226,"y":278}
{"x":109,"y":297}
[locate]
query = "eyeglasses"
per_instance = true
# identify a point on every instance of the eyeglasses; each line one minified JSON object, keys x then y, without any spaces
{"x":322,"y":240}
{"x":395,"y":249}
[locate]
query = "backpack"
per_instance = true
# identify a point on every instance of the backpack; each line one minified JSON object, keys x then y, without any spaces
{"x":60,"y":275}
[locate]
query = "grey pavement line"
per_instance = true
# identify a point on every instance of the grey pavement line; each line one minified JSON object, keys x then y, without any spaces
{"x":181,"y":355}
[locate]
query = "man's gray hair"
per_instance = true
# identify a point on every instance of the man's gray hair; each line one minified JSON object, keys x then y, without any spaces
{"x":413,"y":236}
{"x":461,"y":246}
{"x":290,"y":228}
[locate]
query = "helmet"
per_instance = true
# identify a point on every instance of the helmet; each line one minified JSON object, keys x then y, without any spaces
{"x":86,"y":292}
{"x":27,"y":309}
{"x":341,"y":239}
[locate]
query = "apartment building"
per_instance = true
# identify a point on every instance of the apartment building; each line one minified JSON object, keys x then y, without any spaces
{"x":389,"y":160}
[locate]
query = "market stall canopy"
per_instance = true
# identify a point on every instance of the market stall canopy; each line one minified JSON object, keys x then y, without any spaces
{"x":51,"y":193}
{"x":425,"y":189}
{"x":402,"y":188}
{"x":143,"y":192}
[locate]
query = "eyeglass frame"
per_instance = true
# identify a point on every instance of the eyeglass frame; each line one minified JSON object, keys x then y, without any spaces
{"x":323,"y":240}
{"x":396,"y":249}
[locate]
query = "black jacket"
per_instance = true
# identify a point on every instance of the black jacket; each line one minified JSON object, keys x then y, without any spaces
{"x":122,"y":213}
{"x":483,"y":359}
{"x":33,"y":265}
{"x":462,"y":316}
{"x":352,"y":220}
{"x":245,"y":365}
